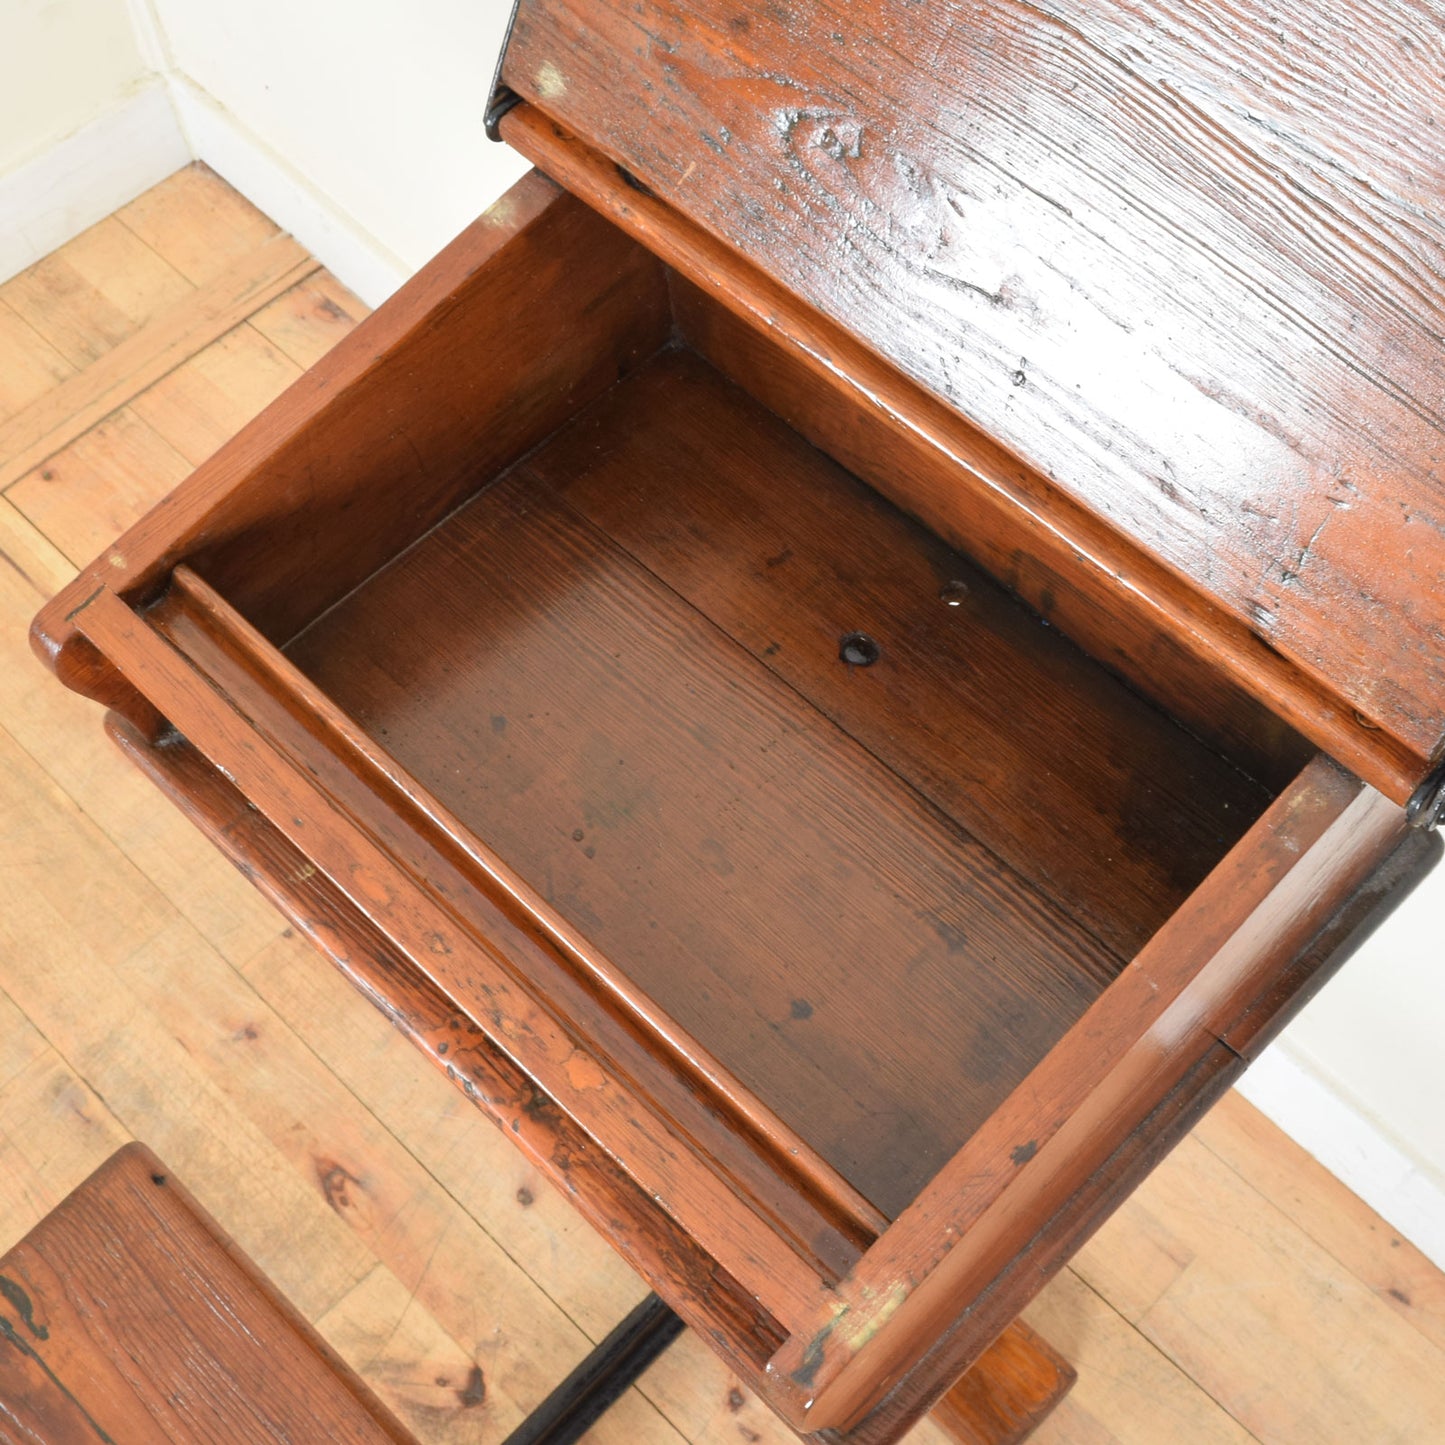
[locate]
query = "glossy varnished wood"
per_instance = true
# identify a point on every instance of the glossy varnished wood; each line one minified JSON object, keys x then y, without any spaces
{"x":1108,"y":806}
{"x":1238,"y":934}
{"x":1011,"y":1385}
{"x":857,"y":1001}
{"x":128,"y":1315}
{"x":1184,"y":259}
{"x":384,"y":435}
{"x":840,"y":946}
{"x":839,"y":921}
{"x":1121,"y":606}
{"x":109,"y":1019}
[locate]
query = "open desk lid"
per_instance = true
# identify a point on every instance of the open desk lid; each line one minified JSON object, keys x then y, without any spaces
{"x":1184,"y":258}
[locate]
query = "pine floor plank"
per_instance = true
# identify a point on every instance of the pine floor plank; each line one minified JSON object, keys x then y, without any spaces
{"x":210,"y":397}
{"x":72,"y":911}
{"x":95,"y":291}
{"x":85,"y":495}
{"x":31,"y":555}
{"x":197,"y":223}
{"x":457,"y":1144}
{"x":428,"y":1381}
{"x":309,"y":319}
{"x":54,"y":1131}
{"x":487,"y":1177}
{"x":433,"y":1247}
{"x":21,"y":1043}
{"x":1128,"y":1392}
{"x":1255,"y":1288}
{"x":29,"y":365}
{"x":63,"y":413}
{"x":1396,"y":1273}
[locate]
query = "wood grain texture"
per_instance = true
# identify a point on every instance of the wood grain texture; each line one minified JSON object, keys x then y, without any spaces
{"x":114,"y":1001}
{"x":128,"y":1315}
{"x":1017,"y":1382}
{"x":433,"y":934}
{"x":1010,"y":1388}
{"x":1183,"y":257}
{"x":371,"y":422}
{"x":1090,"y":1206}
{"x":1239,"y":933}
{"x":1122,"y":606}
{"x":64,"y":412}
{"x":802,"y":1197}
{"x":979,"y":704}
{"x":841,"y":947}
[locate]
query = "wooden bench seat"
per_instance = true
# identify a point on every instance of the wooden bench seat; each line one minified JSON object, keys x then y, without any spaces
{"x":127,"y":1315}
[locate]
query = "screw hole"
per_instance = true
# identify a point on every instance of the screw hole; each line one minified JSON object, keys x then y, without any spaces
{"x":857,"y":649}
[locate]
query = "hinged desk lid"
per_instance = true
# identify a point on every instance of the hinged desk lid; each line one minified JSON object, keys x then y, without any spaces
{"x":1184,"y":258}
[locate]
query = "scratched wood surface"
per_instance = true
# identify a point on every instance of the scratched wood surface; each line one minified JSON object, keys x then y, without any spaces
{"x":128,"y":1315}
{"x":842,"y":949}
{"x":146,"y":991}
{"x":1182,"y":256}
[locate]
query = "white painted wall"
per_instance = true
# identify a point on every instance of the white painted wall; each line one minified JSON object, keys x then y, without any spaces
{"x":85,"y":123}
{"x":367,"y":112}
{"x":62,"y":63}
{"x":1359,"y":1077}
{"x":357,"y":125}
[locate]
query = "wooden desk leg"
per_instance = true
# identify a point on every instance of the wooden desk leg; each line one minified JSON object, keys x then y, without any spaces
{"x":1004,"y":1398}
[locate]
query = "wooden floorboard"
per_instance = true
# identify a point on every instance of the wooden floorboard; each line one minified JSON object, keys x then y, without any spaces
{"x":146,"y":991}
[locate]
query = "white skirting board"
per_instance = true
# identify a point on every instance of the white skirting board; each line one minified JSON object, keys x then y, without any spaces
{"x":83,"y":178}
{"x":1355,"y":1148}
{"x":269,"y":182}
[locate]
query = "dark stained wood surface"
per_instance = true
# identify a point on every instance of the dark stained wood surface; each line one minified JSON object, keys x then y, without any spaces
{"x":1088,"y":1207}
{"x":1184,"y":258}
{"x":795,"y":1191}
{"x":670,"y":1261}
{"x":441,"y":940}
{"x":128,"y":1315}
{"x":1007,"y":1391}
{"x":844,"y":949}
{"x":1239,"y":933}
{"x":978,"y":703}
{"x":1123,"y":607}
{"x":386,"y":433}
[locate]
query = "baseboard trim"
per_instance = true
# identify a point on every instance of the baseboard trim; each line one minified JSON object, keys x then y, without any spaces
{"x":1355,"y":1148}
{"x":83,"y":178}
{"x":269,"y":182}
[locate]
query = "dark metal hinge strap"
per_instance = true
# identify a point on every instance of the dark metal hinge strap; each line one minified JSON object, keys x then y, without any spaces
{"x":501,"y":98}
{"x":1426,"y":808}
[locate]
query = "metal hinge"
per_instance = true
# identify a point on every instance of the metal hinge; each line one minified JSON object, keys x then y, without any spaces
{"x":501,"y":97}
{"x":1426,"y":808}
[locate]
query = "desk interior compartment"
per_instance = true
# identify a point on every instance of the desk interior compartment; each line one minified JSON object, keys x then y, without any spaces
{"x":854,"y":822}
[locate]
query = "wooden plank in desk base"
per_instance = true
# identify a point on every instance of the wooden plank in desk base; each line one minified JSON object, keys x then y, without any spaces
{"x":1001,"y":1400}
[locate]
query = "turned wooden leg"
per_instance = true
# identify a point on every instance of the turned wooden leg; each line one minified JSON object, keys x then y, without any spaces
{"x":1006,"y":1395}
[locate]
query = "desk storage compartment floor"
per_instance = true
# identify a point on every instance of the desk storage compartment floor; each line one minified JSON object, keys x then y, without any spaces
{"x":870,"y":830}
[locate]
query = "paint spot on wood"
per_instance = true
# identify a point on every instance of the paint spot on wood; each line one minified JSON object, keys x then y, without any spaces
{"x":336,"y":1181}
{"x":800,"y":1008}
{"x":474,"y":1392}
{"x":584,"y":1072}
{"x":20,"y":1302}
{"x":1025,"y":1152}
